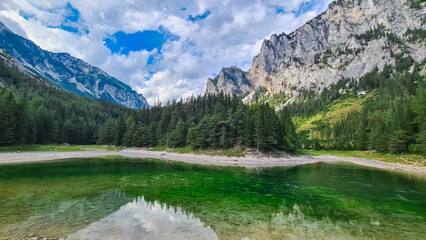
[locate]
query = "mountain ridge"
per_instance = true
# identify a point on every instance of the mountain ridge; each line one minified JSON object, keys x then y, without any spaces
{"x":346,"y":41}
{"x":68,"y":72}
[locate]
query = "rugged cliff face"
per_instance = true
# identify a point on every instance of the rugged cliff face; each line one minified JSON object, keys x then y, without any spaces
{"x":346,"y":41}
{"x":230,"y":80}
{"x":67,"y":72}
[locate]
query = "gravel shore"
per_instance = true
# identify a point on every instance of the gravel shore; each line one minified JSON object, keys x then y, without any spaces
{"x":247,"y":161}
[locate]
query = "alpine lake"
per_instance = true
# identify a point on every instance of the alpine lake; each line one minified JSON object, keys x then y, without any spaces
{"x":122,"y":198}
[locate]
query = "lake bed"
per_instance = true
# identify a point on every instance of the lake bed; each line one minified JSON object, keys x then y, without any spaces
{"x":93,"y":198}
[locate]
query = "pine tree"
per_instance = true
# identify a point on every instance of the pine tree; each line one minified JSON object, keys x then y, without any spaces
{"x":399,"y":142}
{"x":8,"y":119}
{"x":177,"y":137}
{"x":119,"y":130}
{"x":224,"y":136}
{"x":290,"y":138}
{"x":361,"y":133}
{"x":249,"y":130}
{"x":130,"y":131}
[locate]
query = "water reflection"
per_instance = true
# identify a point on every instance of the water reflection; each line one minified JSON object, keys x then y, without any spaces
{"x":98,"y":199}
{"x":143,"y":220}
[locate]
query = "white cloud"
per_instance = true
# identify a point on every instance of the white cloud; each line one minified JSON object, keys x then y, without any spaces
{"x":231,"y":35}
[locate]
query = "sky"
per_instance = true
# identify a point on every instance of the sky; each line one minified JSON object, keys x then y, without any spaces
{"x":164,"y":49}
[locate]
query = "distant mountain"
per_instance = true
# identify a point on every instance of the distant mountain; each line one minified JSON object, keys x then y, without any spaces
{"x":348,"y":40}
{"x":67,"y":72}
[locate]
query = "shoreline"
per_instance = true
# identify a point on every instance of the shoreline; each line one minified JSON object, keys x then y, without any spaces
{"x":247,"y":161}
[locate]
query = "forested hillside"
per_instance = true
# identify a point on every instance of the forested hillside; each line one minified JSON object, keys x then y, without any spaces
{"x":32,"y":111}
{"x":66,"y":72}
{"x":384,"y":110}
{"x":391,"y":116}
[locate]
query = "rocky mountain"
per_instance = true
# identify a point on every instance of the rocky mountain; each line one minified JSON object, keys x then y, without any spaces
{"x":348,"y":40}
{"x":67,"y":72}
{"x":230,"y":80}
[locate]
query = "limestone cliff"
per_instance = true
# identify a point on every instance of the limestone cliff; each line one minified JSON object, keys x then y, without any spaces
{"x":230,"y":81}
{"x":346,"y":41}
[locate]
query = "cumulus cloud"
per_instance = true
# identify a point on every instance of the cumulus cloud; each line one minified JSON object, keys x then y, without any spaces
{"x":210,"y":35}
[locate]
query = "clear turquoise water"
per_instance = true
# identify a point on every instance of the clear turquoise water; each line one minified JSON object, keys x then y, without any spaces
{"x":114,"y":197}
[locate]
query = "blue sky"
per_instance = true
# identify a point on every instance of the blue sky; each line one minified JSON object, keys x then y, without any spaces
{"x":124,"y":43}
{"x":164,"y":49}
{"x":199,"y":17}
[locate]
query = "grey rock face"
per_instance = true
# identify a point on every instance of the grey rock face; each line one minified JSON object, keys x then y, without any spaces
{"x":67,"y":72}
{"x":334,"y":45}
{"x":230,"y":81}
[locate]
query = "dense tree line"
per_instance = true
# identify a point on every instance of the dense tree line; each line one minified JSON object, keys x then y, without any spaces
{"x":209,"y":121}
{"x":392,"y":120}
{"x":32,"y":111}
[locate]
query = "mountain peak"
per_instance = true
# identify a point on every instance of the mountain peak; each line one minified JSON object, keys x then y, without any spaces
{"x":67,"y":72}
{"x":346,"y":41}
{"x":3,"y":27}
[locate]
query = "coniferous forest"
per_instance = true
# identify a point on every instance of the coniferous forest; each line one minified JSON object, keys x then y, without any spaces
{"x":31,"y":111}
{"x":210,"y":121}
{"x":392,"y":120}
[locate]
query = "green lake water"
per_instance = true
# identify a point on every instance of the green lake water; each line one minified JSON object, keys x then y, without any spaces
{"x":119,"y":198}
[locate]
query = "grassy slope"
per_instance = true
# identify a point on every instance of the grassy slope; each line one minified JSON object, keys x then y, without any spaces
{"x":335,"y":112}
